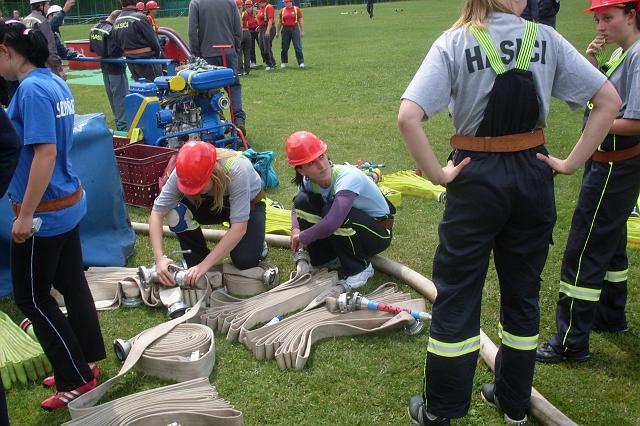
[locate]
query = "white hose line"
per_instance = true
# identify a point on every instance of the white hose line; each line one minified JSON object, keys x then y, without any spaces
{"x":540,"y":408}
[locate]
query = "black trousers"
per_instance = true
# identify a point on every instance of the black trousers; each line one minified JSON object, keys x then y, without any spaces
{"x":245,"y":255}
{"x":146,"y":71}
{"x":359,"y":237}
{"x":69,"y":342}
{"x":500,"y":203}
{"x":245,"y":52}
{"x":596,"y":253}
{"x":254,"y":41}
{"x":265,"y":46}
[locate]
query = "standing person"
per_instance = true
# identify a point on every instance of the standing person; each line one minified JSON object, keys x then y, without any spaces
{"x":114,"y":75}
{"x":9,"y":154}
{"x":249,"y":27}
{"x":56,"y":15}
{"x":370,"y":8}
{"x":217,"y":22}
{"x":339,"y":213}
{"x":132,"y":32}
{"x":593,"y":278}
{"x":36,"y":21}
{"x":215,"y":185}
{"x":266,"y":33}
{"x":45,"y":186}
{"x":239,"y":4}
{"x":291,"y":21}
{"x":542,"y":11}
{"x":153,"y":8}
{"x":500,"y":195}
{"x":249,"y":16}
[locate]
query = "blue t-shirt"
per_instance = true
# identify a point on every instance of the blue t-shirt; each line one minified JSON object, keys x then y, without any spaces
{"x":42,"y":111}
{"x":369,"y":198}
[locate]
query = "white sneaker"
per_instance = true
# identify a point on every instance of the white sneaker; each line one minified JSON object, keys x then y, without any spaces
{"x":268,"y":69}
{"x":360,"y":279}
{"x":302,"y":65}
{"x":284,"y":65}
{"x":253,"y":65}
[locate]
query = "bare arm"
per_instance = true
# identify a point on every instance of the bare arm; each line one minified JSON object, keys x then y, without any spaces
{"x":44,"y":160}
{"x":625,"y":127}
{"x":415,"y":138}
{"x":155,"y":235}
{"x":606,"y":104}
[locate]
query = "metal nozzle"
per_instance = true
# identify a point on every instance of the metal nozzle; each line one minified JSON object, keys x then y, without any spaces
{"x":176,"y":310}
{"x":413,"y":329}
{"x":122,"y":348}
{"x":270,"y":276}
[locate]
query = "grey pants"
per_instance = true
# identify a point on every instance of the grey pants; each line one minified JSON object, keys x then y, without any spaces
{"x":117,"y":87}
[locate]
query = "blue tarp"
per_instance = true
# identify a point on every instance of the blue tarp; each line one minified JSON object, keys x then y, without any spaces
{"x":106,"y":234}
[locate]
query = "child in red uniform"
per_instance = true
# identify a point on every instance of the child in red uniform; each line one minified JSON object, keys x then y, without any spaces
{"x":291,"y":21}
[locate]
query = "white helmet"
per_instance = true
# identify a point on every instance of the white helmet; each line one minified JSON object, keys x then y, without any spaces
{"x":54,"y":9}
{"x":37,"y":1}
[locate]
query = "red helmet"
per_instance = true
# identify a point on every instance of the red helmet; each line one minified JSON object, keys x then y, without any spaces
{"x":248,"y":3}
{"x":152,"y":5}
{"x":303,"y":147}
{"x":194,"y":165}
{"x":239,"y":3}
{"x":140,"y":6}
{"x":597,"y":4}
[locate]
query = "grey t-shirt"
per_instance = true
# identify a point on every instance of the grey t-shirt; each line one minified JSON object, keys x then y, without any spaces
{"x":456,"y":73}
{"x":244,"y":185}
{"x":626,"y":80}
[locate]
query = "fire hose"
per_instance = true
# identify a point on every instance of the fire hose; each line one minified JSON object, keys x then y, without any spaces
{"x":540,"y":408}
{"x":175,"y":404}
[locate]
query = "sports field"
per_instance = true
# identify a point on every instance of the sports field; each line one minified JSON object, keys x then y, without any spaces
{"x":356,"y":70}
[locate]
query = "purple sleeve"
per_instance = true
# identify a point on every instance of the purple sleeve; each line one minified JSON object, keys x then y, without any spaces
{"x":294,"y":218}
{"x":335,"y":217}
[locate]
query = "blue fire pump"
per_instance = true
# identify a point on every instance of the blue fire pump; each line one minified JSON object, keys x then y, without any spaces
{"x":188,"y":106}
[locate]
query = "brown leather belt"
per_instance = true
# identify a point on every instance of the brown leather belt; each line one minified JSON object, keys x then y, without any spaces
{"x":386,"y":223}
{"x":137,"y":51}
{"x":53,"y":204}
{"x":257,"y":199}
{"x":613,"y":156}
{"x":507,"y":143}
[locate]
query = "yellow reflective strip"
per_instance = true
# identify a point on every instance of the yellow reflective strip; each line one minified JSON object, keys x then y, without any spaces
{"x":526,"y":50}
{"x":489,"y":49}
{"x":374,"y":232}
{"x":101,"y":30}
{"x":582,"y":293}
{"x":617,"y":276}
{"x":308,"y":217}
{"x":451,"y":350}
{"x":230,"y":161}
{"x":127,"y":17}
{"x":146,"y":101}
{"x":521,"y":343}
{"x":344,"y":232}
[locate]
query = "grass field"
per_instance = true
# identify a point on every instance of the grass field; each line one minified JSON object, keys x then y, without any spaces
{"x":357,"y":69}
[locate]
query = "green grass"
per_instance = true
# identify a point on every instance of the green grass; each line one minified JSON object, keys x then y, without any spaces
{"x":357,"y":69}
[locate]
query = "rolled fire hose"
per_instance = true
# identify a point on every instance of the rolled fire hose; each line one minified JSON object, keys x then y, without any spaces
{"x":540,"y":408}
{"x":171,"y":404}
{"x":251,"y":281}
{"x":290,"y":340}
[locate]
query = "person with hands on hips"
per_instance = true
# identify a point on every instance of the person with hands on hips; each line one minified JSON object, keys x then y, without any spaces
{"x":291,"y":21}
{"x":339,"y":214}
{"x":500,"y":197}
{"x":595,"y":268}
{"x":45,"y":186}
{"x":210,"y":186}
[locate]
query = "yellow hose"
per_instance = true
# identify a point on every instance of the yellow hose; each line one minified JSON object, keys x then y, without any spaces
{"x":633,"y":233}
{"x":408,"y":182}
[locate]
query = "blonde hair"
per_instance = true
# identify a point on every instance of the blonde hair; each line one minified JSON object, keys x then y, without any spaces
{"x":475,"y":12}
{"x":219,"y":179}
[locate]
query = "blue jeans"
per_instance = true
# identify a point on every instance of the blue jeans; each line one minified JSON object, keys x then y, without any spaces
{"x":236,"y":87}
{"x":287,"y":36}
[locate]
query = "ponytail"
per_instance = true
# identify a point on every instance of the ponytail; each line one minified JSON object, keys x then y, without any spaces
{"x":28,"y":43}
{"x":475,"y":12}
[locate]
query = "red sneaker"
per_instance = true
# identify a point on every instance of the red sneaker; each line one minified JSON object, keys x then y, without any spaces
{"x":49,"y":382}
{"x":61,"y":399}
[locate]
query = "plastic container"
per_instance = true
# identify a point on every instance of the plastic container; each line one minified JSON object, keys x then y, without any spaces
{"x":140,"y":195}
{"x":120,"y":141}
{"x":82,"y":46}
{"x":142,"y":164}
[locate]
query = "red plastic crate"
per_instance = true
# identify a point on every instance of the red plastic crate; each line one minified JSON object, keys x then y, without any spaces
{"x":140,"y":195}
{"x":142,"y":164}
{"x":120,"y":141}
